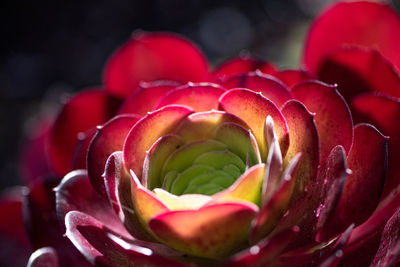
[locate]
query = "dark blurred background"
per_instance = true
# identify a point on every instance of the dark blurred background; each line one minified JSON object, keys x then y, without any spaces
{"x":49,"y":48}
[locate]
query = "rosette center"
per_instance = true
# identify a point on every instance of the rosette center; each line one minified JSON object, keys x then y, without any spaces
{"x":205,"y":166}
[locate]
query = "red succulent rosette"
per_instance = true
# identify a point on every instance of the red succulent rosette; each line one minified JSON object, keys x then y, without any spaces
{"x":186,"y":172}
{"x":169,"y":164}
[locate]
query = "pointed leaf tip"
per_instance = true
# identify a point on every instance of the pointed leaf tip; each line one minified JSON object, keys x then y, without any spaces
{"x":269,"y":133}
{"x":46,"y":256}
{"x":273,"y":169}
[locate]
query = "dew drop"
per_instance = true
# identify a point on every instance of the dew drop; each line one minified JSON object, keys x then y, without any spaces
{"x":286,"y":213}
{"x":319,"y":209}
{"x":258,"y":72}
{"x":144,"y":84}
{"x":339,"y":253}
{"x":254,"y":250}
{"x":81,"y":136}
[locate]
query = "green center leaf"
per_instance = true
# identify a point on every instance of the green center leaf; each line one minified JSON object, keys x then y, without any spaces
{"x":204,"y":166}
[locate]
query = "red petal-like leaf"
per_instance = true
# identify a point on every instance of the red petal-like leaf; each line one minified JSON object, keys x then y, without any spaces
{"x":264,"y":251}
{"x":272,"y":209}
{"x":253,"y":108}
{"x":331,"y":179}
{"x":11,"y":206}
{"x":44,"y":257}
{"x":364,"y":23}
{"x":243,"y":64}
{"x":109,"y":138}
{"x":303,"y":137}
{"x":102,"y":247}
{"x":367,"y":160}
{"x":332,"y":115}
{"x":146,"y":204}
{"x":306,"y":212}
{"x":147,"y":131}
{"x":274,"y":163}
{"x":357,"y":70}
{"x":327,"y":253}
{"x":365,"y":239}
{"x":211,"y":231}
{"x":81,"y":113}
{"x":327,"y":226}
{"x":146,"y":98}
{"x":14,"y":243}
{"x":198,"y":96}
{"x":268,"y":85}
{"x":154,"y":56}
{"x":383,"y":112}
{"x":292,"y":77}
{"x":364,"y":252}
{"x":118,"y":185}
{"x":76,"y":193}
{"x":372,"y":227}
{"x":337,"y":255}
{"x":44,"y":228}
{"x":389,"y":250}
